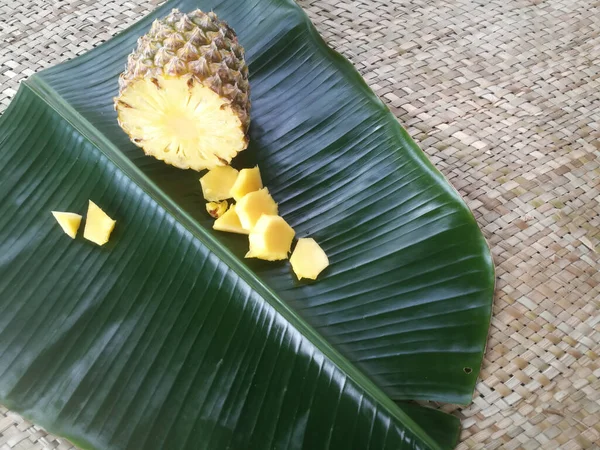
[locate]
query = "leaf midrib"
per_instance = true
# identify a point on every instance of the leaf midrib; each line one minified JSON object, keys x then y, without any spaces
{"x":48,"y":95}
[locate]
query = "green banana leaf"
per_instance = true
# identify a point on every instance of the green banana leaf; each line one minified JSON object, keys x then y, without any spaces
{"x":166,"y":337}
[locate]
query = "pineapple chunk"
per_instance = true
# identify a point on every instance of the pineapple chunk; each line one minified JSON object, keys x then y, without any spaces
{"x":98,"y":225}
{"x":253,"y":205}
{"x":216,"y":209}
{"x":69,"y":222}
{"x":308,"y":259}
{"x":271,"y":238}
{"x":248,"y":180}
{"x":217,"y":183}
{"x":229,"y":222}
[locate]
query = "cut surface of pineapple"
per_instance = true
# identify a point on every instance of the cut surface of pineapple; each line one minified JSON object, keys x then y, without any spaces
{"x":217,"y":183}
{"x":98,"y":225}
{"x":271,"y":238}
{"x":253,"y":205}
{"x":68,"y":221}
{"x":308,"y":259}
{"x":181,"y":122}
{"x":230,"y":222}
{"x":248,"y":180}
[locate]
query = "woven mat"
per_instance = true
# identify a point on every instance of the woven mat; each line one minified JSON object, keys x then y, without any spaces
{"x":504,"y":96}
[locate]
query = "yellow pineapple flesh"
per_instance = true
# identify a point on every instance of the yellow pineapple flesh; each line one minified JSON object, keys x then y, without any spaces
{"x":181,"y":122}
{"x":253,"y":205}
{"x":308,"y":259}
{"x":271,"y":238}
{"x":248,"y":180}
{"x":69,"y":222}
{"x":230,"y":222}
{"x":217,"y":183}
{"x":98,"y":225}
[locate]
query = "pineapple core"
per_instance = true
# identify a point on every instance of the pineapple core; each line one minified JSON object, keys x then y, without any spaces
{"x":308,"y":259}
{"x":98,"y":225}
{"x":217,"y":183}
{"x":216,"y":209}
{"x":253,"y":205}
{"x":181,"y":122}
{"x":229,"y":222}
{"x":69,"y":222}
{"x":248,"y":180}
{"x":271,"y":239}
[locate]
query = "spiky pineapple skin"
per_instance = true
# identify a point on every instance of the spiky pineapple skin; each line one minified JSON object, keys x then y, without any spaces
{"x":197,"y":45}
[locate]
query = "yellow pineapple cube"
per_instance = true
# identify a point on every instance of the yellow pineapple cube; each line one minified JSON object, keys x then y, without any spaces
{"x":253,"y":205}
{"x":308,"y":259}
{"x":98,"y":225}
{"x":69,"y":222}
{"x":271,"y":238}
{"x":229,"y":222}
{"x":217,"y":183}
{"x":248,"y":180}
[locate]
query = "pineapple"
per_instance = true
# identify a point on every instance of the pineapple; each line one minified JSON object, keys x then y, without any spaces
{"x":308,"y":259}
{"x":271,"y":238}
{"x":217,"y":183}
{"x":230,"y":222}
{"x":98,"y":225}
{"x":216,"y":209}
{"x":248,"y":180}
{"x":253,"y":205}
{"x":184,"y":97}
{"x":69,"y":222}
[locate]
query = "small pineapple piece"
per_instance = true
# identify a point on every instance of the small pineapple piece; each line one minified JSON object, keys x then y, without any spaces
{"x":248,"y":180}
{"x":308,"y":259}
{"x":271,"y":238}
{"x":229,"y":222}
{"x":216,"y":209}
{"x":217,"y":183}
{"x":253,"y":205}
{"x":98,"y":225}
{"x":69,"y":222}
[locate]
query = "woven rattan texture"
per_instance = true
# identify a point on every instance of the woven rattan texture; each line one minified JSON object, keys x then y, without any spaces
{"x":504,"y":97}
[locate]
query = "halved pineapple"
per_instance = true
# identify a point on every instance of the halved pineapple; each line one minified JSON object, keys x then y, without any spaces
{"x":184,"y":96}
